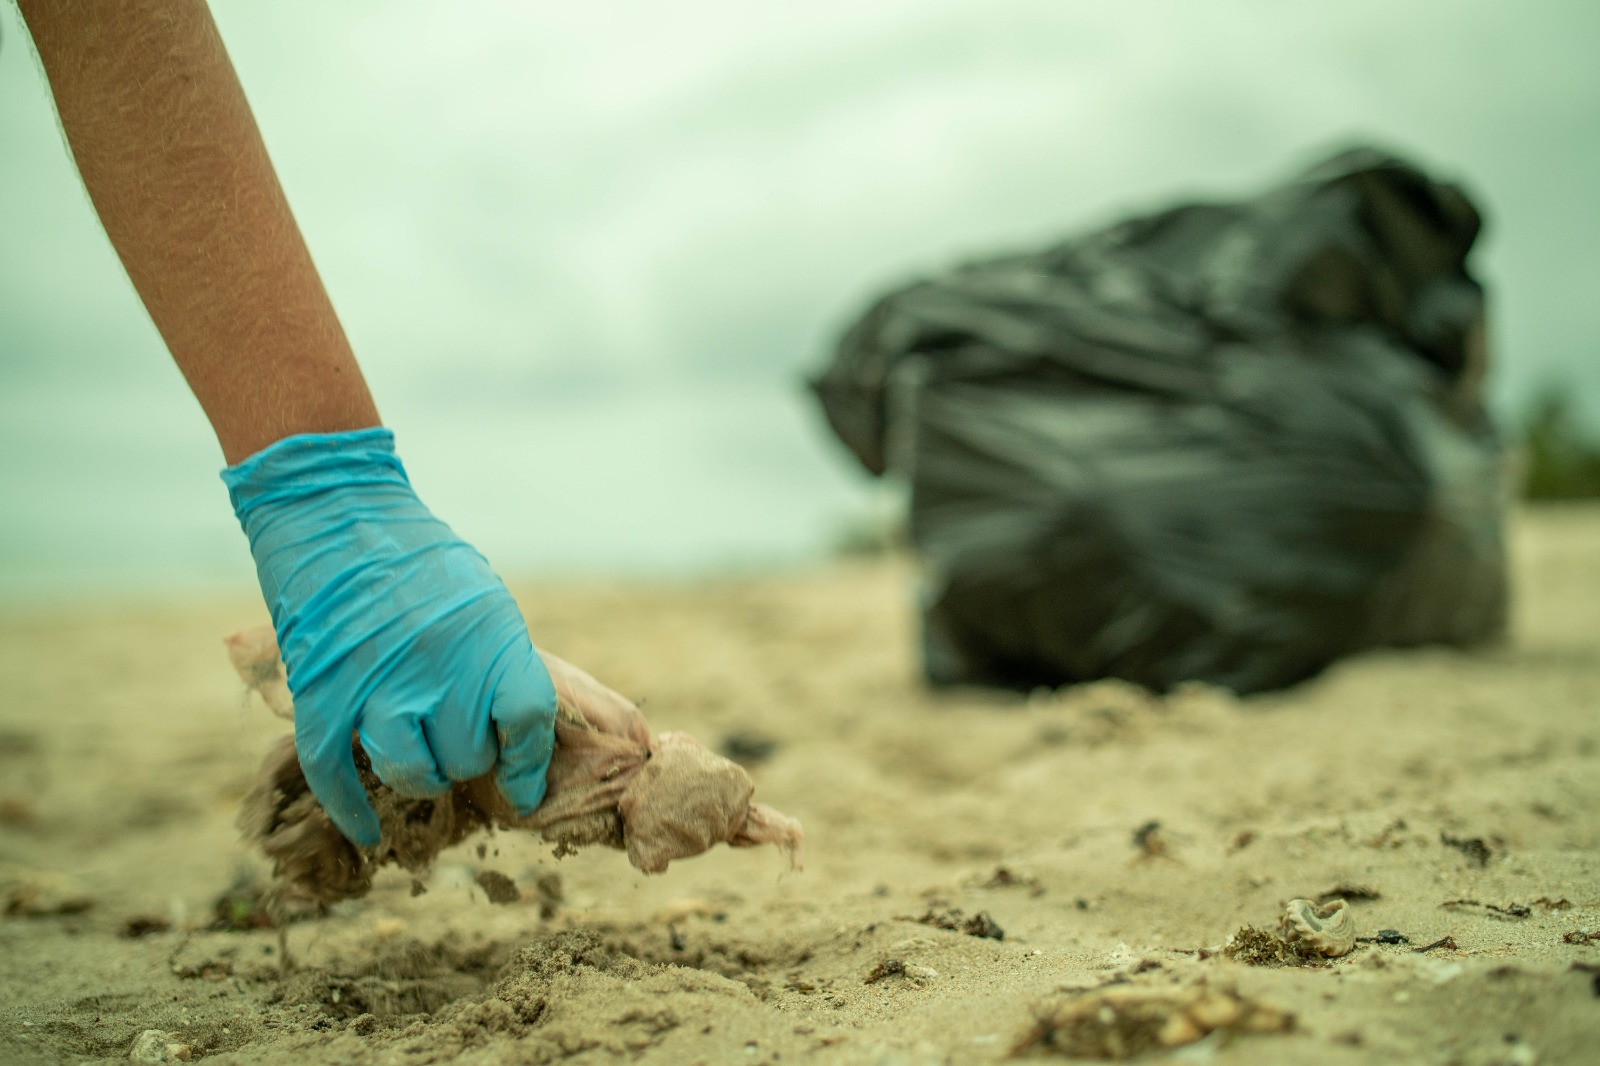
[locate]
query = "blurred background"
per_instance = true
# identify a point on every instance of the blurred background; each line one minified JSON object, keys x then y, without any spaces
{"x":587,"y":253}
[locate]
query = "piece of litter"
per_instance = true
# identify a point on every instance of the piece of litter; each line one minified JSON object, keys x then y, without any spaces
{"x":610,"y":782}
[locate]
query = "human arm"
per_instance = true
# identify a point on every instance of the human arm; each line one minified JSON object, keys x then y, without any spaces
{"x":391,"y":626}
{"x":171,"y":156}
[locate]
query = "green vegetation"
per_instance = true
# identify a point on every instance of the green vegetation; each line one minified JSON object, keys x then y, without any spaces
{"x":1562,"y":457}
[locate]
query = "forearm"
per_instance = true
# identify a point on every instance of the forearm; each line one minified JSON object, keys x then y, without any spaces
{"x":177,"y":170}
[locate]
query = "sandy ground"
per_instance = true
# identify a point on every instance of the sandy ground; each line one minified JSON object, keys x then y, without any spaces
{"x":126,"y":743}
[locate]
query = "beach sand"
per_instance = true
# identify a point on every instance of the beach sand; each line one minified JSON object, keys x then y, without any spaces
{"x":1116,"y":839}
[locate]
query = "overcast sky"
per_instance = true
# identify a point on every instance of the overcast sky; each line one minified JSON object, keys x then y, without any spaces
{"x":586,"y":252}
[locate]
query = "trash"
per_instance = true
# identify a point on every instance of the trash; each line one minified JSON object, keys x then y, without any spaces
{"x":660,"y":797}
{"x":1227,"y":442}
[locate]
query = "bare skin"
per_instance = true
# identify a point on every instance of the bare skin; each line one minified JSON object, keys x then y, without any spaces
{"x":171,"y":156}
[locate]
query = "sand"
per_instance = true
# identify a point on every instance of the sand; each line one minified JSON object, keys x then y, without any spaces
{"x":1114,"y":839}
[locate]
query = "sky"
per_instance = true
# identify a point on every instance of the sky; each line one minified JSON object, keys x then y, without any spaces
{"x":588,"y":253}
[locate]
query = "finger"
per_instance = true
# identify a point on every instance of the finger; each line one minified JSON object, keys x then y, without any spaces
{"x":523,"y":709}
{"x":463,"y":748}
{"x":330,"y":769}
{"x":400,"y":754}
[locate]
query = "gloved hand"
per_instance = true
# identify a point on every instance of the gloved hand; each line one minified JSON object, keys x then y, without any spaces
{"x":390,"y":625}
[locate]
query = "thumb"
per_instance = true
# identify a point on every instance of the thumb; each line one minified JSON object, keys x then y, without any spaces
{"x":330,"y":769}
{"x":523,"y":709}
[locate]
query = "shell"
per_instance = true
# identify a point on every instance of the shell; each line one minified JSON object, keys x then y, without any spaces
{"x":1328,"y":930}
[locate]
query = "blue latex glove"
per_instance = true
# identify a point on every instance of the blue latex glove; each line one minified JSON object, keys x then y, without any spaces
{"x":390,"y":625}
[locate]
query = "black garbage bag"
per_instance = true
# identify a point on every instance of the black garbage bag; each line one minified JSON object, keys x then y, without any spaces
{"x":1227,"y":442}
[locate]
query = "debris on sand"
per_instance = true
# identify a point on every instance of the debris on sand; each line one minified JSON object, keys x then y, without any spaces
{"x":659,"y":797}
{"x":550,"y":894}
{"x":1328,"y":930}
{"x":498,"y":887}
{"x":242,"y":906}
{"x":1005,"y":877}
{"x":1148,"y":839}
{"x":1123,"y":1021}
{"x":1474,"y":848}
{"x":899,"y":968}
{"x":956,"y":921}
{"x":1307,"y":935}
{"x":1262,"y":947}
{"x":142,"y":925}
{"x":1506,"y":913}
{"x":747,"y":747}
{"x":886,"y":968}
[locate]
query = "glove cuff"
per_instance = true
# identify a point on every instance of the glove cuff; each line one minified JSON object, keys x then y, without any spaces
{"x":311,"y":463}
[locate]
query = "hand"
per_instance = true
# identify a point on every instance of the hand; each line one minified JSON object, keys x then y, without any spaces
{"x":391,"y":627}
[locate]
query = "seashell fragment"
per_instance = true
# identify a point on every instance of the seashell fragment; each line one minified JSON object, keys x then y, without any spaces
{"x":1328,"y":930}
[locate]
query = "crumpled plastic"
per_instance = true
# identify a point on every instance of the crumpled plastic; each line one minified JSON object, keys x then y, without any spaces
{"x":659,"y":797}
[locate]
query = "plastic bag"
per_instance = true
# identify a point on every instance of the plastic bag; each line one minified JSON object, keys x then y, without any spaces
{"x":1226,"y":442}
{"x":610,"y":782}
